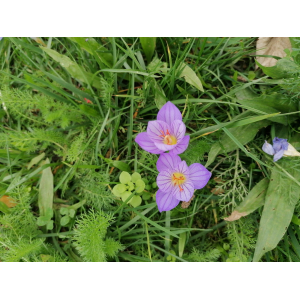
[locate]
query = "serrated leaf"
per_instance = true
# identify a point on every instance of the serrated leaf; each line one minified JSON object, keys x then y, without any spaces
{"x":254,"y":200}
{"x":125,"y":177}
{"x":189,"y":76}
{"x":281,"y":198}
{"x":139,"y":186}
{"x":135,"y":201}
{"x":135,"y":176}
{"x":64,"y":220}
{"x":271,"y":46}
{"x":46,"y":190}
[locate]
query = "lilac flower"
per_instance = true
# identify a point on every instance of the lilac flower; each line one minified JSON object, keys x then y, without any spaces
{"x":278,"y":148}
{"x":177,"y":181}
{"x":165,"y":134}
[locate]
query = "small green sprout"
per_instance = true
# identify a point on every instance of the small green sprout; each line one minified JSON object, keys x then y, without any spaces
{"x":128,"y":184}
{"x":46,"y":219}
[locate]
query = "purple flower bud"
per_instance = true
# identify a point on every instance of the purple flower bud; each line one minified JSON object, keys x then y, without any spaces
{"x":278,"y":149}
{"x":268,"y":148}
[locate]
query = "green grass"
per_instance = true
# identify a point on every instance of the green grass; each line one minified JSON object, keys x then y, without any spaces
{"x":45,"y":84}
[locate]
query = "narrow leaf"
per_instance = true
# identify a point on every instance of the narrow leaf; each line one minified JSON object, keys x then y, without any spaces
{"x":46,"y":190}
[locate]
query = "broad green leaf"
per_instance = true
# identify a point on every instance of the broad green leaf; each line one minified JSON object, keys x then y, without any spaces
{"x":295,"y":220}
{"x":64,"y":220}
{"x":281,"y":198}
{"x":254,"y":200}
{"x":72,"y":212}
{"x":244,"y":134}
{"x":272,"y":104}
{"x":159,"y":96}
{"x":89,"y":110}
{"x":42,"y":221}
{"x":36,"y":160}
{"x":49,"y":225}
{"x":97,"y":50}
{"x":139,"y":185}
{"x":64,"y":211}
{"x":73,"y":68}
{"x":125,"y":195}
{"x":125,"y":177}
{"x":119,"y":189}
{"x":130,"y":186}
{"x":45,"y":199}
{"x":285,"y":68}
{"x":121,"y":165}
{"x":148,"y":45}
{"x":135,"y":176}
{"x":135,"y":201}
{"x":189,"y":76}
{"x":146,"y":196}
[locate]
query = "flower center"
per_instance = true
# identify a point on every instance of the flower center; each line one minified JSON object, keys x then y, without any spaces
{"x":178,"y":179}
{"x":168,"y":138}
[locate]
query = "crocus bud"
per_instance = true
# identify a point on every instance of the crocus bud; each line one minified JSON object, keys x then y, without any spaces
{"x":268,"y":148}
{"x":291,"y":151}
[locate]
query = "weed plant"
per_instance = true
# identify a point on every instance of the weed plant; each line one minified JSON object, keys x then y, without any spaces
{"x":71,"y":109}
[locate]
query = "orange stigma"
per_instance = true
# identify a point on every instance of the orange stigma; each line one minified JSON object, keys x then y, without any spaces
{"x":178,"y":179}
{"x":168,"y":138}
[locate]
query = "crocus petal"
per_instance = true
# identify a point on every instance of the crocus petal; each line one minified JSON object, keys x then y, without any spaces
{"x":164,"y":181}
{"x":156,"y":130}
{"x":278,"y":155}
{"x":147,"y":144}
{"x":199,"y":175}
{"x":268,"y":148}
{"x":178,"y":130}
{"x":279,"y":144}
{"x":183,"y":168}
{"x":164,"y":147}
{"x":291,"y":151}
{"x":167,"y":161}
{"x":186,"y":192}
{"x":165,"y":201}
{"x":181,"y":146}
{"x":168,"y":113}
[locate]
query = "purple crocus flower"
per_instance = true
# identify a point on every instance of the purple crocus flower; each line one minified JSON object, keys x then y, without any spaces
{"x":278,"y":148}
{"x":165,"y":134}
{"x":177,"y":181}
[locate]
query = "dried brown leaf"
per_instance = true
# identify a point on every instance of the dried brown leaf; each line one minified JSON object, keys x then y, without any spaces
{"x":235,"y":216}
{"x":271,"y":46}
{"x":10,"y":202}
{"x":217,"y":190}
